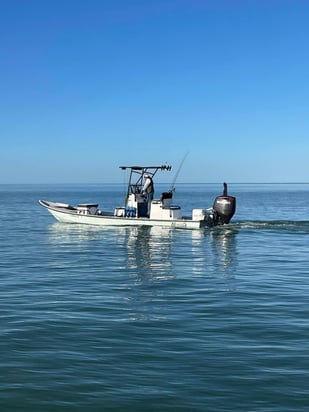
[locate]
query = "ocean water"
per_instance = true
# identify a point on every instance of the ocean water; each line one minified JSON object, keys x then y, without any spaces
{"x":153,"y":319}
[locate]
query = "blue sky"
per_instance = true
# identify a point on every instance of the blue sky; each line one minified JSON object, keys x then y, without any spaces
{"x":87,"y":86}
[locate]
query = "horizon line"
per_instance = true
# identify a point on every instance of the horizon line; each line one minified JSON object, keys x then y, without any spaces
{"x":180,"y":183}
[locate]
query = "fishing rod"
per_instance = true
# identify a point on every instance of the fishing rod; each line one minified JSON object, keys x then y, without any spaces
{"x":172,"y":187}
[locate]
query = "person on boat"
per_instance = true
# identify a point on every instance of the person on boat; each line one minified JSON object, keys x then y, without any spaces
{"x":148,"y":189}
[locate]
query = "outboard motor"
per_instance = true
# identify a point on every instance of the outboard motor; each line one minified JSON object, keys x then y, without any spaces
{"x":224,"y":206}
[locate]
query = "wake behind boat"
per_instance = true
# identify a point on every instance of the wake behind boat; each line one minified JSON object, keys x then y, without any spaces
{"x":141,"y":209}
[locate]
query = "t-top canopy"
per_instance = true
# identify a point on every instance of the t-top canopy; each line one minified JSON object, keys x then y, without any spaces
{"x":163,"y":167}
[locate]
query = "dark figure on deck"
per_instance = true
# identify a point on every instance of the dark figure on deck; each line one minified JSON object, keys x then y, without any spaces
{"x":148,"y":189}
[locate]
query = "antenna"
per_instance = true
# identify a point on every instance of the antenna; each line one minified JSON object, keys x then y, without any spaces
{"x":172,"y":188}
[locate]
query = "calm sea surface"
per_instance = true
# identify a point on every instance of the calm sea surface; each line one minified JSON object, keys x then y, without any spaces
{"x":152,"y":319}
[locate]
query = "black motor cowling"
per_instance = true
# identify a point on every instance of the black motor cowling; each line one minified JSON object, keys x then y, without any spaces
{"x":224,"y":207}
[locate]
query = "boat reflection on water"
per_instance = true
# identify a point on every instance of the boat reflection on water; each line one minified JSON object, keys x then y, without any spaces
{"x":154,"y":253}
{"x":143,"y":252}
{"x":149,"y":253}
{"x":60,"y":234}
{"x":214,"y":252}
{"x":148,"y":272}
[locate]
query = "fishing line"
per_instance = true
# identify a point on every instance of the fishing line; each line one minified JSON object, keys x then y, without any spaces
{"x":172,"y":187}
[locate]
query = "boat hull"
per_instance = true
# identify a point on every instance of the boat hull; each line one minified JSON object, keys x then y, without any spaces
{"x":68,"y":214}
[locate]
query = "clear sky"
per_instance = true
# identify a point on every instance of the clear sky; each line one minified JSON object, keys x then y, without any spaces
{"x":89,"y":85}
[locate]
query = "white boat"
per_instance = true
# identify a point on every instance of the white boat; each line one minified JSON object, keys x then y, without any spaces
{"x":140,"y":209}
